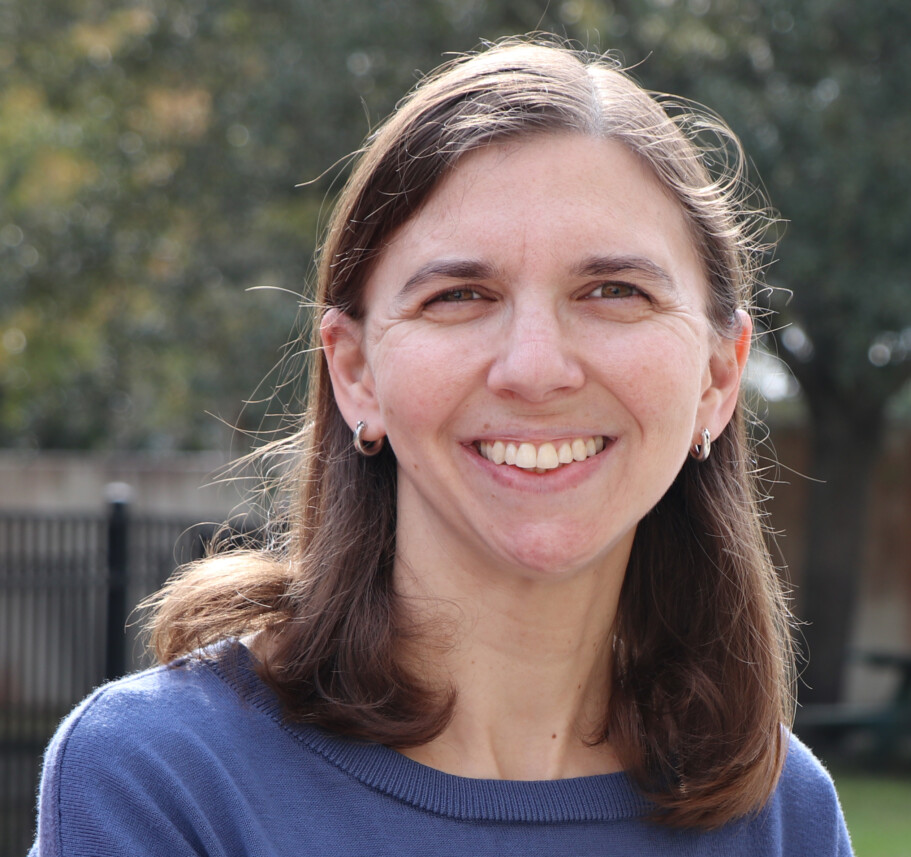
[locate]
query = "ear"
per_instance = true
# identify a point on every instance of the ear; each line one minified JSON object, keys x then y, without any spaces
{"x":352,"y":380}
{"x":725,"y":371}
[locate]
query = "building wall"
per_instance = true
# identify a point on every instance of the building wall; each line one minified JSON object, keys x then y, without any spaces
{"x":176,"y":483}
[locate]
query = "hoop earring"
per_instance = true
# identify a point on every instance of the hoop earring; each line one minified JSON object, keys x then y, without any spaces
{"x":701,"y":451}
{"x":366,"y":448}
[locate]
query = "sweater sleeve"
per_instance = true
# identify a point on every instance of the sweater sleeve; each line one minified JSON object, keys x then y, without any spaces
{"x":103,"y":792}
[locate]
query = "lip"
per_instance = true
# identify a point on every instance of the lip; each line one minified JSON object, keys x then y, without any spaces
{"x":559,"y":479}
{"x":517,"y":433}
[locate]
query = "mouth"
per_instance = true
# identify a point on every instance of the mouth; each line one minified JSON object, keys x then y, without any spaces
{"x":540,"y":458}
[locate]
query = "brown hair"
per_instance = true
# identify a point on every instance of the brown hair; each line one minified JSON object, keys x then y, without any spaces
{"x":700,"y":686}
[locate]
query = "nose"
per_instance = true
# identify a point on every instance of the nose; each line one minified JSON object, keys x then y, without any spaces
{"x":536,"y":358}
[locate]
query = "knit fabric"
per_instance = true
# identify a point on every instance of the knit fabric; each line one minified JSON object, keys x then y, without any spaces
{"x":195,"y":759}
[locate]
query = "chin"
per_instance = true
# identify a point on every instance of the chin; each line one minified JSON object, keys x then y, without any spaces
{"x":559,"y":558}
{"x":560,"y":550}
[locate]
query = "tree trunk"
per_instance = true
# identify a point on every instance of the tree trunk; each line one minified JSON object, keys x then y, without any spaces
{"x":845,"y":446}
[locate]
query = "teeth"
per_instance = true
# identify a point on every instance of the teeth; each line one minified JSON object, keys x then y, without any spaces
{"x":548,"y":456}
{"x":527,"y":457}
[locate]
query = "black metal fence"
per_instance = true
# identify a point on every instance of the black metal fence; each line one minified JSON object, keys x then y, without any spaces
{"x":68,"y":584}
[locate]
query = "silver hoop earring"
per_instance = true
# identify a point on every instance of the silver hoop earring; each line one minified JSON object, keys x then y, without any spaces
{"x":701,"y":451}
{"x":365,"y":447}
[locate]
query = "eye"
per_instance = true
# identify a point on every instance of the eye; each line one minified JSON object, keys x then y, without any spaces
{"x":454,"y":305}
{"x":457,"y":296}
{"x":615,"y":291}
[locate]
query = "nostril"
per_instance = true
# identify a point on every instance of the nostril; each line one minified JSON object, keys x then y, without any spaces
{"x":535,"y":383}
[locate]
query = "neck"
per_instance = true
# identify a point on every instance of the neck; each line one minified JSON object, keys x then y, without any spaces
{"x":530,"y":661}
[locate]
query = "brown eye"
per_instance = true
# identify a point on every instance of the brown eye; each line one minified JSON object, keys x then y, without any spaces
{"x":615,"y":290}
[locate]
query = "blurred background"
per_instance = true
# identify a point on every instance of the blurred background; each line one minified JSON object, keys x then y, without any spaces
{"x":156,"y":242}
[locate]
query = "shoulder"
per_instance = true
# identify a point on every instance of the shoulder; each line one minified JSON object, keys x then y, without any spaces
{"x":154,"y":708}
{"x":804,"y":777}
{"x":144,"y":754}
{"x":161,"y":699}
{"x":804,"y":812}
{"x":199,"y":702}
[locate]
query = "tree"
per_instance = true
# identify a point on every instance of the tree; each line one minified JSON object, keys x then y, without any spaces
{"x":149,"y":152}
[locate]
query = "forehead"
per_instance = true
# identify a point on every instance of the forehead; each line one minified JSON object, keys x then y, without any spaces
{"x":539,"y":201}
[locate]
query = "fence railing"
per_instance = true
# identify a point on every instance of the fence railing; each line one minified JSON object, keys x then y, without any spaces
{"x":68,"y":584}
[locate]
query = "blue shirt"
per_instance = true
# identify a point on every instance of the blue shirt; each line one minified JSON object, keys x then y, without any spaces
{"x":196,"y":759}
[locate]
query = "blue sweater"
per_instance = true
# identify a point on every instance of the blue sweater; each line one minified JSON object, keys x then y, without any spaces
{"x":196,"y":759}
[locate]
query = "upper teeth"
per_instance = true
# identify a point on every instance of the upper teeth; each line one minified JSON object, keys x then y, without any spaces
{"x":547,"y":456}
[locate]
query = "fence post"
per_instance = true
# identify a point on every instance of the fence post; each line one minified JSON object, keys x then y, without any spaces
{"x":118,"y":497}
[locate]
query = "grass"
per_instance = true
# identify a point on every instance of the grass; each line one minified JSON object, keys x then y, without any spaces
{"x":878,"y":812}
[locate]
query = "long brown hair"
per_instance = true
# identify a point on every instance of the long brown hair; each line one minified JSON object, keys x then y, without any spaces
{"x":701,"y":680}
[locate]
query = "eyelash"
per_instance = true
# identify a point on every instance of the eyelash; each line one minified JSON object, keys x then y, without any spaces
{"x":468,"y":295}
{"x":449,"y":296}
{"x":631,"y":291}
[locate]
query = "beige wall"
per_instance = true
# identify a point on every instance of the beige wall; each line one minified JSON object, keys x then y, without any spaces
{"x":176,"y":483}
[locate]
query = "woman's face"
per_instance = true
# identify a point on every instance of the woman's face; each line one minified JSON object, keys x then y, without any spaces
{"x":536,"y":348}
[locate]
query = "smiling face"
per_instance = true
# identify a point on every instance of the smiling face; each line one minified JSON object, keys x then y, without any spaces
{"x":536,"y":348}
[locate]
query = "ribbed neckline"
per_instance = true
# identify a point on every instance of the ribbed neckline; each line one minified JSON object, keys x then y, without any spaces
{"x":597,"y":798}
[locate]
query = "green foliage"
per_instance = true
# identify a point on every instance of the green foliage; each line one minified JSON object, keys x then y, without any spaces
{"x":876,"y":811}
{"x":149,"y":152}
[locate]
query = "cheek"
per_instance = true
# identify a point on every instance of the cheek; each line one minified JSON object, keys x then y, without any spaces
{"x":660,"y":378}
{"x":419,"y":382}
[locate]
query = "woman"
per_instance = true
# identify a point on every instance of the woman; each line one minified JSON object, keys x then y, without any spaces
{"x":522,"y":602}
